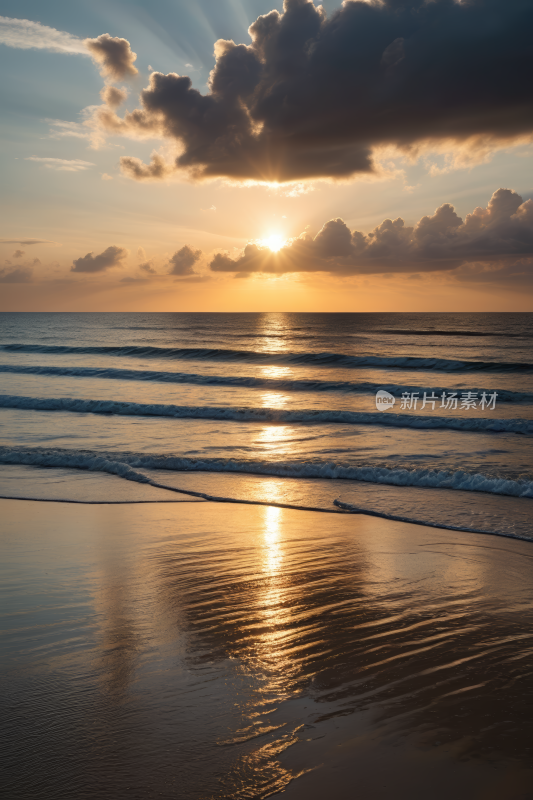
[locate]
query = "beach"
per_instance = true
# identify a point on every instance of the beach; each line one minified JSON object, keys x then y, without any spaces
{"x":266,"y":404}
{"x":217,"y":650}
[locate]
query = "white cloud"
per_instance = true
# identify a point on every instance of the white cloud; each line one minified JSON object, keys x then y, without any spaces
{"x":293,"y":189}
{"x":61,"y":129}
{"x":86,"y":129}
{"x":62,"y":164}
{"x":27,"y":35}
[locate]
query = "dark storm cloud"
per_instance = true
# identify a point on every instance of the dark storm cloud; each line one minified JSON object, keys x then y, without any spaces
{"x":18,"y":253}
{"x":114,"y":56}
{"x":501,"y":234}
{"x":314,"y":97}
{"x":183,"y":261}
{"x":112,"y":257}
{"x":18,"y":275}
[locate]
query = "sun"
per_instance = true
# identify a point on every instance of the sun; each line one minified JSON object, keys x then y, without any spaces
{"x":274,"y":242}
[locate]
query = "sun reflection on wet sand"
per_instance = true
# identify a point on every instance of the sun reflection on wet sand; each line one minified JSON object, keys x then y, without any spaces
{"x":273,"y":552}
{"x":191,"y":646}
{"x":270,"y":596}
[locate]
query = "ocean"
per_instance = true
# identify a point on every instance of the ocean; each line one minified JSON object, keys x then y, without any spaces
{"x":200,"y":610}
{"x":275,"y":408}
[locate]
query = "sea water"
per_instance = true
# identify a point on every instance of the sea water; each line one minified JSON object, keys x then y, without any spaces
{"x":277,"y":408}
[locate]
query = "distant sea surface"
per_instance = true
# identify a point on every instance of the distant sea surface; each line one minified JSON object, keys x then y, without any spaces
{"x":274,"y":408}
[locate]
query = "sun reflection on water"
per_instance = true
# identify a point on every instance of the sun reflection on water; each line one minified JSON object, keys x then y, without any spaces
{"x":273,"y":400}
{"x":276,"y":371}
{"x":273,"y":330}
{"x":272,"y":436}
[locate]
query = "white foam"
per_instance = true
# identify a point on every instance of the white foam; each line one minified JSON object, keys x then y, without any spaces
{"x":126,"y":465}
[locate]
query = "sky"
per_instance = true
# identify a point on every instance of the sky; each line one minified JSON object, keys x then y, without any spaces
{"x":247,"y":155}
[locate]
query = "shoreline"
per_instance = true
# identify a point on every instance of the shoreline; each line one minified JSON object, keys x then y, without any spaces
{"x":344,"y":509}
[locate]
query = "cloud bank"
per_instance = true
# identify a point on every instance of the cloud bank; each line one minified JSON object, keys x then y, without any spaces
{"x":18,"y":275}
{"x":112,"y":257}
{"x":317,"y":97}
{"x":495,"y":241}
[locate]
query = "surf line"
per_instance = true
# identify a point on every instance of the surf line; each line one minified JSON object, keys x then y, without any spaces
{"x":124,"y":471}
{"x":341,"y":508}
{"x":351,"y":509}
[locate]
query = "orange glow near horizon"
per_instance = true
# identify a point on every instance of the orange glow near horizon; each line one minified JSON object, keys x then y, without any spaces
{"x":262,"y":294}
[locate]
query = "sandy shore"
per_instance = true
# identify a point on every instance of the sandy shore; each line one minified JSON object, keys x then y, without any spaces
{"x":333,"y":762}
{"x":212,"y":651}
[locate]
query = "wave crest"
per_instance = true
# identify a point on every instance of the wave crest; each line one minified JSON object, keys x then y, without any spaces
{"x":267,"y":415}
{"x":246,"y":381}
{"x":128,"y":464}
{"x":250,"y":356}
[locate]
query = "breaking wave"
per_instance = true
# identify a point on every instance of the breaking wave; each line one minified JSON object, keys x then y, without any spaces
{"x":128,"y":464}
{"x":265,"y":415}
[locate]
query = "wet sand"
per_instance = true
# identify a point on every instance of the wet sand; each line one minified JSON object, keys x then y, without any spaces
{"x":341,"y":762}
{"x":200,"y":650}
